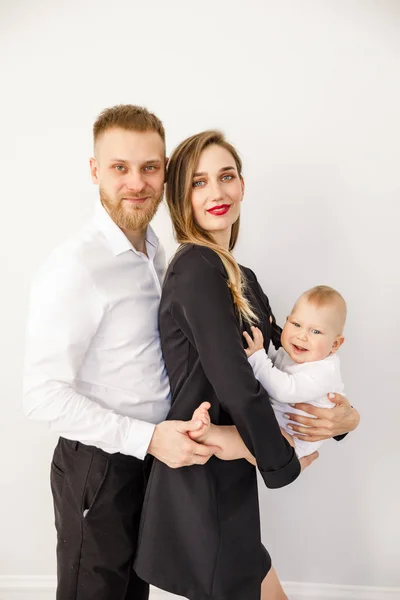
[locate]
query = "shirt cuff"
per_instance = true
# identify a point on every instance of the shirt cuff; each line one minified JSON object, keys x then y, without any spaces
{"x":284,"y":476}
{"x":138,"y":440}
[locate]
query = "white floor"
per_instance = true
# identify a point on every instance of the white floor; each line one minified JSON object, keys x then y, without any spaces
{"x":43,"y":588}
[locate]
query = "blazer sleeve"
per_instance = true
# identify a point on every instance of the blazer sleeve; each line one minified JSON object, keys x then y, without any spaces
{"x":203,"y":307}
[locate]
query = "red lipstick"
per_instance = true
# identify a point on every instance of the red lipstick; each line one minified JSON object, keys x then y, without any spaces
{"x":220,"y":210}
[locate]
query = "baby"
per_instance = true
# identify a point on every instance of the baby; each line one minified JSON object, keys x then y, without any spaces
{"x":305,"y":369}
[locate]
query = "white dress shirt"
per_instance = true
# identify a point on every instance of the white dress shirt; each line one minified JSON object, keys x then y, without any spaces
{"x":289,"y":382}
{"x":94,"y":368}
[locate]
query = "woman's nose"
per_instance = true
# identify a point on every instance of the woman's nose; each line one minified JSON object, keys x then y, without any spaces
{"x":215,"y":191}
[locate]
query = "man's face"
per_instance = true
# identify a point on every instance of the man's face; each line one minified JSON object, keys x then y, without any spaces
{"x":129,"y":167}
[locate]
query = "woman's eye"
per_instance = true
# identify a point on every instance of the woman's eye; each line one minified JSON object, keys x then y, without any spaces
{"x":316,"y":331}
{"x":149,"y":168}
{"x":197,"y":183}
{"x":227,"y":177}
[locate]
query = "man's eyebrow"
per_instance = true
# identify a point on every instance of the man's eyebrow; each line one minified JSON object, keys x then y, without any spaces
{"x":146,"y":162}
{"x":201,"y":174}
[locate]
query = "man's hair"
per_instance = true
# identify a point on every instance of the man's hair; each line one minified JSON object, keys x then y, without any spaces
{"x":127,"y":116}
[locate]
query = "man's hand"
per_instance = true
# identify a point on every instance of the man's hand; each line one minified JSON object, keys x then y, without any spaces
{"x":307,"y":460}
{"x":329,"y":422}
{"x":172,"y":445}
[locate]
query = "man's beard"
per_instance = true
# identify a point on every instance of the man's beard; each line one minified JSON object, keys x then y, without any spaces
{"x":129,"y":216}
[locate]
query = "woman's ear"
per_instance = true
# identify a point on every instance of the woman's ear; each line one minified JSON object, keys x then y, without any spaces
{"x":243,"y":187}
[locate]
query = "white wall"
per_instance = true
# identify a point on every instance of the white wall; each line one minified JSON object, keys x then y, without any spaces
{"x":310,"y":94}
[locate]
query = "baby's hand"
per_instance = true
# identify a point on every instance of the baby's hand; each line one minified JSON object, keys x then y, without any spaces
{"x":255,"y":344}
{"x":201,"y":414}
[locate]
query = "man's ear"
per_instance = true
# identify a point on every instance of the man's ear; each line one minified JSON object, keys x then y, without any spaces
{"x":337,"y":343}
{"x":165,"y":167}
{"x":93,"y":170}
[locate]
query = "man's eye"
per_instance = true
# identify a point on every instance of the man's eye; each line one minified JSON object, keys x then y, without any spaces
{"x":316,"y":331}
{"x":296,"y":324}
{"x":227,"y":177}
{"x":120,"y":168}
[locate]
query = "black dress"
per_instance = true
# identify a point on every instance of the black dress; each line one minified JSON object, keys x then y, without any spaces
{"x":200,"y":531}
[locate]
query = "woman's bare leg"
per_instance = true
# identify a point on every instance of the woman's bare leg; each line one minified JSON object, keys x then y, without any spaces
{"x":271,"y":588}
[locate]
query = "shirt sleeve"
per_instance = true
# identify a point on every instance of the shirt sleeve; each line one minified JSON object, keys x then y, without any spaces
{"x":308,"y":385}
{"x":64,"y":314}
{"x":203,"y":306}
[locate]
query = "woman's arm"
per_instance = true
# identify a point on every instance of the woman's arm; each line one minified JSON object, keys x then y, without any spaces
{"x":227,"y":441}
{"x":204,"y":310}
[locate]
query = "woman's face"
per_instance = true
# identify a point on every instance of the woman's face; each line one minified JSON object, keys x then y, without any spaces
{"x":217,"y":193}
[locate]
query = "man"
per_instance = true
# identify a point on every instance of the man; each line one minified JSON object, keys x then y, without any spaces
{"x":94,"y":367}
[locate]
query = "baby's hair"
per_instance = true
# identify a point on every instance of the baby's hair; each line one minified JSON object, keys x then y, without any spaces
{"x":323,"y":295}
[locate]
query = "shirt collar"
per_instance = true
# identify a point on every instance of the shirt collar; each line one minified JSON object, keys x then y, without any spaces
{"x":116,"y":237}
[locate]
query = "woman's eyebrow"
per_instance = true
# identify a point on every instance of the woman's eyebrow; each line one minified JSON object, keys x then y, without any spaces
{"x":202,"y":173}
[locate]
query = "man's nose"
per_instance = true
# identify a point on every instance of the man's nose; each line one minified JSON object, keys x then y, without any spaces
{"x":135,"y":182}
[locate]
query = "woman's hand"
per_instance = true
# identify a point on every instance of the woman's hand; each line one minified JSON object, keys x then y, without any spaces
{"x":325,"y":422}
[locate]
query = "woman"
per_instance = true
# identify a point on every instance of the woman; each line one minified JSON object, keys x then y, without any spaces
{"x":200,"y":531}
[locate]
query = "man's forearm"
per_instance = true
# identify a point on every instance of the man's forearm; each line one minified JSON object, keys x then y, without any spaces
{"x":84,"y":419}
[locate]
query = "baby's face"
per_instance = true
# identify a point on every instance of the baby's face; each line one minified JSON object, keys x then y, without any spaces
{"x":311,"y":332}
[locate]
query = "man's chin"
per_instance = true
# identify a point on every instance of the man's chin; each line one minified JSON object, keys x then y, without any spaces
{"x":136,"y":217}
{"x":129,"y":215}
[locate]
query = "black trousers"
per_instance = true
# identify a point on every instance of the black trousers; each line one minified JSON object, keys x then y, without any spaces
{"x":98,"y":499}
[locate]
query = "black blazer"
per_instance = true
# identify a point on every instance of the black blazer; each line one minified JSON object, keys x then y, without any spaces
{"x":200,"y":530}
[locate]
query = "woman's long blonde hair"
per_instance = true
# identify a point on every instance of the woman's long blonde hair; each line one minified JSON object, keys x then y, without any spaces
{"x":181,"y":168}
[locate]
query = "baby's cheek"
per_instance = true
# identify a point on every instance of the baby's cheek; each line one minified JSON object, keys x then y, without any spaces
{"x":322,"y":349}
{"x":284,"y":339}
